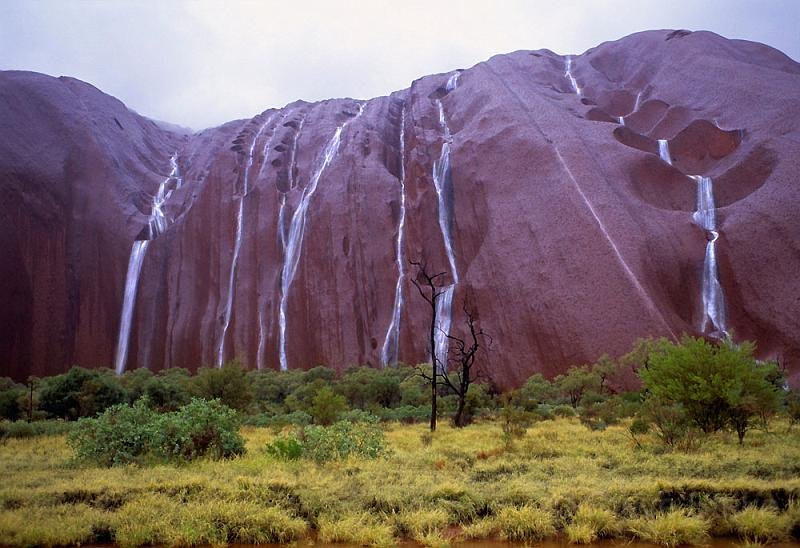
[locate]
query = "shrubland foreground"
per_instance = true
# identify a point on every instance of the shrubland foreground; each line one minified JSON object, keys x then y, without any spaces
{"x":554,"y":478}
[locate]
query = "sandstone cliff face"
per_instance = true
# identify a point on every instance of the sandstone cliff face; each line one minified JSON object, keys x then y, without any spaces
{"x":570,"y":235}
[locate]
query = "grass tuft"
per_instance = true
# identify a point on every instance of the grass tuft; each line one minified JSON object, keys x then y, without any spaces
{"x":361,"y":529}
{"x":672,"y":528}
{"x":760,"y":525}
{"x":525,"y":523}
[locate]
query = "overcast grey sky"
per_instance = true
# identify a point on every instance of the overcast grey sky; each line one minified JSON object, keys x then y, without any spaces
{"x":200,"y":63}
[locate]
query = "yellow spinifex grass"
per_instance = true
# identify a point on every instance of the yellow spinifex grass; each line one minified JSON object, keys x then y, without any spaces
{"x":559,"y":479}
{"x":673,"y":528}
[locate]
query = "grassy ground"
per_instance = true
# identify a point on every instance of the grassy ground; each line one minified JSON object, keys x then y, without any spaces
{"x":560,"y":479}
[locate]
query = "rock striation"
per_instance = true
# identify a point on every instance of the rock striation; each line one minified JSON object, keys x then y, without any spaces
{"x":558,"y":215}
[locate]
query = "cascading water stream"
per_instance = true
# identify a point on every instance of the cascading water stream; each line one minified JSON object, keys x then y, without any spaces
{"x":705,"y":217}
{"x":663,"y":151}
{"x":621,"y":120}
{"x":391,"y":343}
{"x":444,"y":316}
{"x":442,"y":183}
{"x":294,"y":243}
{"x":713,"y":297}
{"x":261,"y":327}
{"x":157,"y":224}
{"x":131,"y":282}
{"x":237,"y":244}
{"x":568,"y":74}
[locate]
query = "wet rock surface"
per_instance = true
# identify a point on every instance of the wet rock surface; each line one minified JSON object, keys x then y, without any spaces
{"x":571,"y":237}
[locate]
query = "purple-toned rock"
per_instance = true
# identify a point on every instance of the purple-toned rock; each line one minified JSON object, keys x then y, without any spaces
{"x":549,"y":210}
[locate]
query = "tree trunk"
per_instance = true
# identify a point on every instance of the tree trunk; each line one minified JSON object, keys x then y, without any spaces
{"x":434,"y":371}
{"x":458,"y":418}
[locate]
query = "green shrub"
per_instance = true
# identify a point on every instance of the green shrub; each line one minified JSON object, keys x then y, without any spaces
{"x":564,"y":411}
{"x":669,"y":421}
{"x":287,"y":447}
{"x":229,"y":384}
{"x":169,"y":390}
{"x":327,"y":406}
{"x":407,"y":414}
{"x":328,"y":443}
{"x":357,"y":415}
{"x":24,"y":429}
{"x":125,"y":434}
{"x":80,"y":393}
{"x":10,"y":394}
{"x":344,"y":439}
{"x":717,"y":385}
{"x":200,"y":428}
{"x":122,"y":434}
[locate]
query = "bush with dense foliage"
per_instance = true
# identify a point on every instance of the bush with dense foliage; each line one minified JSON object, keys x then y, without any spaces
{"x":364,"y":438}
{"x":716,"y":385}
{"x":80,"y":393}
{"x":125,"y":434}
{"x":10,"y":395}
{"x":228,"y":384}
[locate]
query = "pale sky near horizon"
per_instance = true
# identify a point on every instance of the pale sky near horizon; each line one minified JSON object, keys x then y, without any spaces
{"x":202,"y":63}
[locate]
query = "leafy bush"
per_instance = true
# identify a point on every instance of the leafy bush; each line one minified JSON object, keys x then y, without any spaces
{"x":327,"y":406}
{"x":10,"y":394}
{"x":198,"y":429}
{"x":357,"y":415}
{"x":338,"y":441}
{"x":406,"y":414}
{"x":229,"y":384}
{"x":80,"y":393}
{"x":126,"y":433}
{"x":344,"y":439}
{"x":564,"y":411}
{"x":295,"y":418}
{"x":169,"y":390}
{"x":287,"y":447}
{"x":669,"y":420}
{"x":24,"y":429}
{"x":514,"y":421}
{"x":717,"y":385}
{"x":122,"y":434}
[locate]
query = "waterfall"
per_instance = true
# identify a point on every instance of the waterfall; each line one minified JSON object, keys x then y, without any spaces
{"x":157,"y":223}
{"x":713,"y":297}
{"x":237,"y":246}
{"x":621,"y":120}
{"x":568,"y":74}
{"x":663,"y":151}
{"x":444,"y":315}
{"x":390,"y":350}
{"x":131,"y":282}
{"x":443,"y":185}
{"x":636,"y":104}
{"x":261,"y":327}
{"x":294,"y":242}
{"x":452,"y":82}
{"x":293,"y":153}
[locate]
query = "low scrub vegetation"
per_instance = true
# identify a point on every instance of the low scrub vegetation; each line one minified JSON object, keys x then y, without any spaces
{"x":670,"y":444}
{"x":125,"y":434}
{"x":556,"y":479}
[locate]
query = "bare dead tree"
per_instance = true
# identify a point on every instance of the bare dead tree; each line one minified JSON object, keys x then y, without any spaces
{"x":464,"y":356}
{"x":425,"y":282}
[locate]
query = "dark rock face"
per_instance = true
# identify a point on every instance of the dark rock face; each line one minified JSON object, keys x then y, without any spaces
{"x":570,"y":236}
